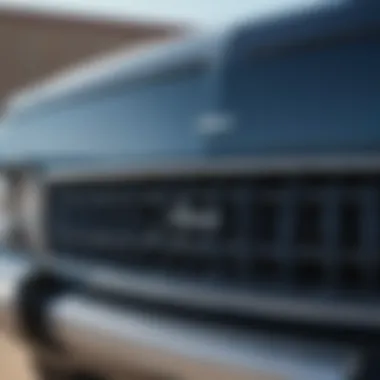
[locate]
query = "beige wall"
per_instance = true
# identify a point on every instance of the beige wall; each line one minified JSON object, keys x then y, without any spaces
{"x":34,"y":45}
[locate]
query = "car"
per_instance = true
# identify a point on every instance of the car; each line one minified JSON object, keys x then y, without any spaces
{"x":207,"y":208}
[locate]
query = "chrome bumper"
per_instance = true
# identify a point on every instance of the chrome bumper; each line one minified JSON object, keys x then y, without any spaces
{"x":103,"y":338}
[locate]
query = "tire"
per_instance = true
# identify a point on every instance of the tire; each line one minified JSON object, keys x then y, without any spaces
{"x":48,"y":373}
{"x":45,"y":373}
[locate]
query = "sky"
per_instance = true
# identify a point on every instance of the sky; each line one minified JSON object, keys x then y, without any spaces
{"x":201,"y":13}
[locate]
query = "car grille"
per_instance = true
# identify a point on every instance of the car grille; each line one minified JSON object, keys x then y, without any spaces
{"x":317,"y":232}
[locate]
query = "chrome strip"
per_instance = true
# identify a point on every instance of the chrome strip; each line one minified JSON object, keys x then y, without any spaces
{"x":222,"y":300}
{"x":41,"y":240}
{"x":102,"y":337}
{"x":220,"y":167}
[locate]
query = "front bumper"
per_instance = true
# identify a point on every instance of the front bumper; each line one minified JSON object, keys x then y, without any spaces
{"x":104,"y":338}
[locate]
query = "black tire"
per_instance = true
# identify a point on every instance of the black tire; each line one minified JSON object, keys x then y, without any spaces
{"x":48,"y":373}
{"x":45,"y":373}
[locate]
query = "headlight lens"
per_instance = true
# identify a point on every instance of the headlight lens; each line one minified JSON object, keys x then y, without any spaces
{"x":5,"y":208}
{"x":19,"y":211}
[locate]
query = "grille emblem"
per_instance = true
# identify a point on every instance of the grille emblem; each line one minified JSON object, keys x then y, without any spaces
{"x":186,"y":216}
{"x":216,"y":124}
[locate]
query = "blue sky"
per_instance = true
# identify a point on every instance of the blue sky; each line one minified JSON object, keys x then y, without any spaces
{"x":203,"y":13}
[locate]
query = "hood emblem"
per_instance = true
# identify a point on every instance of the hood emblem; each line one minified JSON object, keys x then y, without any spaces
{"x":216,"y":123}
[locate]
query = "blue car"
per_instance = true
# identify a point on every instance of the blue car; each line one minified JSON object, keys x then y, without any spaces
{"x":207,"y":208}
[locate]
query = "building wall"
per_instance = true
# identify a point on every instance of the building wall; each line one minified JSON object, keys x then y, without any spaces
{"x":34,"y":45}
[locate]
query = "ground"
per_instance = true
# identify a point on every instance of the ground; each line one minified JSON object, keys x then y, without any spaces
{"x":13,"y":361}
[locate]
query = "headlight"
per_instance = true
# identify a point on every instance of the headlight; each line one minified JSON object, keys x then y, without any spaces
{"x":29,"y":210}
{"x":19,"y":211}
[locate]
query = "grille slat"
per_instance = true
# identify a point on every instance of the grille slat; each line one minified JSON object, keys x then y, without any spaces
{"x":307,"y":232}
{"x":286,"y":231}
{"x":330,"y":257}
{"x":370,"y":233}
{"x":243,"y":219}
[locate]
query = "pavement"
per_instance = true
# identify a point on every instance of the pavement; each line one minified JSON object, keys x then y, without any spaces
{"x":13,"y":361}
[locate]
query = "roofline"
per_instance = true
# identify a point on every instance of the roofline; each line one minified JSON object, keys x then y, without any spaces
{"x":109,"y":23}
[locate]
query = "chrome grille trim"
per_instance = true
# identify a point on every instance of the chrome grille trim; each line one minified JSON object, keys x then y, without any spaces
{"x":219,"y":167}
